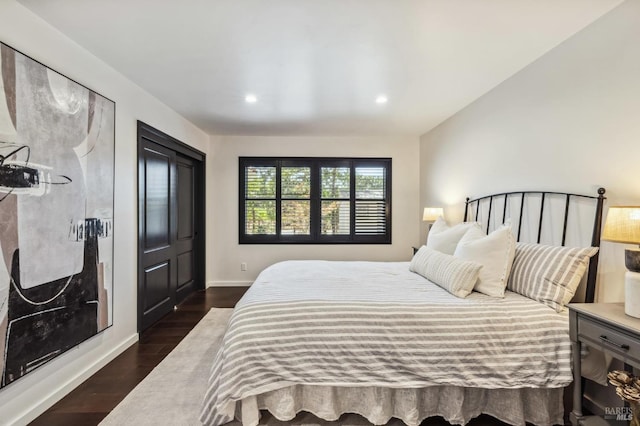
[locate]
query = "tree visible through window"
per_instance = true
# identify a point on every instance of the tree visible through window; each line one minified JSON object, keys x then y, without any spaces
{"x":296,"y":200}
{"x":315,"y":200}
{"x":335,"y":200}
{"x":261,"y":200}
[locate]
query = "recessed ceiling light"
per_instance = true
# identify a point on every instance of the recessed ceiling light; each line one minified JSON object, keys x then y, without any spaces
{"x":251,"y":99}
{"x":381,"y":99}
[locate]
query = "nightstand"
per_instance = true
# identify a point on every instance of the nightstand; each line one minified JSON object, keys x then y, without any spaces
{"x":606,"y":327}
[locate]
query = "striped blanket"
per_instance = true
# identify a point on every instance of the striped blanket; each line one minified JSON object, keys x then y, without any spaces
{"x":377,"y":324}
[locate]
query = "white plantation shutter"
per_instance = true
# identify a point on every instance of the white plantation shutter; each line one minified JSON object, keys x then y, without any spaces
{"x":371,"y":212}
{"x":370,"y":218}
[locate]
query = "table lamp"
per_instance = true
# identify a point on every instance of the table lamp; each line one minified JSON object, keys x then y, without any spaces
{"x":623,"y":226}
{"x":431,"y":214}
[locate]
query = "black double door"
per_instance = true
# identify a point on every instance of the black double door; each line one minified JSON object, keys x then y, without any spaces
{"x":170,"y":224}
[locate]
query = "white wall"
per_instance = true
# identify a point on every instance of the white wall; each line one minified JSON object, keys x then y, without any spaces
{"x":568,"y":122}
{"x":23,"y":400}
{"x":224,"y":252}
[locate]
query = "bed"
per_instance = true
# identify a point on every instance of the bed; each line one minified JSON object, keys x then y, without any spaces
{"x":376,"y":339}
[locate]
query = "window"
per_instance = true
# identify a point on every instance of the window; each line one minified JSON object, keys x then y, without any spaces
{"x":315,"y":200}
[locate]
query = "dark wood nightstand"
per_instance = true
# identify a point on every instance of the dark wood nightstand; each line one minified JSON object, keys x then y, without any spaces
{"x":606,"y":327}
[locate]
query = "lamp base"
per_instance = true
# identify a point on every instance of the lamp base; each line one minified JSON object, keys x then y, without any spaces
{"x":632,"y":260}
{"x":632,"y":294}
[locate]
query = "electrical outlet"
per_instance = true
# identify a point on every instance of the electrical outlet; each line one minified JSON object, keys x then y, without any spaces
{"x":243,"y":266}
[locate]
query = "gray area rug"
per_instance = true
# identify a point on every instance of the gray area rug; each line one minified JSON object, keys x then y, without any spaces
{"x":172,"y":393}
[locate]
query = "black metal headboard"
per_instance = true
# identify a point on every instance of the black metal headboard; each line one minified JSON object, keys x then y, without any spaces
{"x":474,"y":205}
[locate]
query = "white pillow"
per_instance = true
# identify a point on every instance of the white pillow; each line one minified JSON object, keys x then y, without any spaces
{"x":494,"y":252}
{"x":445,"y":238}
{"x":452,"y":274}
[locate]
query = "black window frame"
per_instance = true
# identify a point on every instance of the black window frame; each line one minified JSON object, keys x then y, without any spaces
{"x":315,"y":236}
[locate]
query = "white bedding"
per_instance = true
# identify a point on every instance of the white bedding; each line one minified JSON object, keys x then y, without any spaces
{"x":377,"y":325}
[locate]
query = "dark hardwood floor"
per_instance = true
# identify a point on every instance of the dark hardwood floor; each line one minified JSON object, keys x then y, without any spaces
{"x":90,"y":402}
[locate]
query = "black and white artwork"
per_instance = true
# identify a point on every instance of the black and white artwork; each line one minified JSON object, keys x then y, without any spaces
{"x":56,"y":213}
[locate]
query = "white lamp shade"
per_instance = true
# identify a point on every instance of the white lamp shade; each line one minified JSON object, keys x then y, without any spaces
{"x":622,"y":225}
{"x":430,"y":214}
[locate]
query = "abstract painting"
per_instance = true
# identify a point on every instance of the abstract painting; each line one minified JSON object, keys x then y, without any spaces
{"x":56,"y":213}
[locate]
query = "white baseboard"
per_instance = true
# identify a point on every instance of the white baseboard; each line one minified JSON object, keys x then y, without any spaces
{"x":60,"y":392}
{"x":229,"y":283}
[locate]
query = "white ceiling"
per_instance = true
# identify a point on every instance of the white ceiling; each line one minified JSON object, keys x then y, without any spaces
{"x":317,"y":66}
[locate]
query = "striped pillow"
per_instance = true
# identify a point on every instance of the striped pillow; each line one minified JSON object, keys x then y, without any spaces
{"x":549,"y":274}
{"x":452,"y":274}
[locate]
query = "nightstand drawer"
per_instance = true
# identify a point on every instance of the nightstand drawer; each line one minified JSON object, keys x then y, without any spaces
{"x":605,"y":337}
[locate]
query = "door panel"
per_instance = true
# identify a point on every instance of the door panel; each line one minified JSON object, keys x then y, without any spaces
{"x":185,"y":244}
{"x":185,"y":268}
{"x":157,"y":286}
{"x":157,"y":177}
{"x":185,"y":198}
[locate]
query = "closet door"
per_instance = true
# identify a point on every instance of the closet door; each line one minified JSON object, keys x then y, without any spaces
{"x":157,"y":232}
{"x":171,"y":221}
{"x":187,"y":232}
